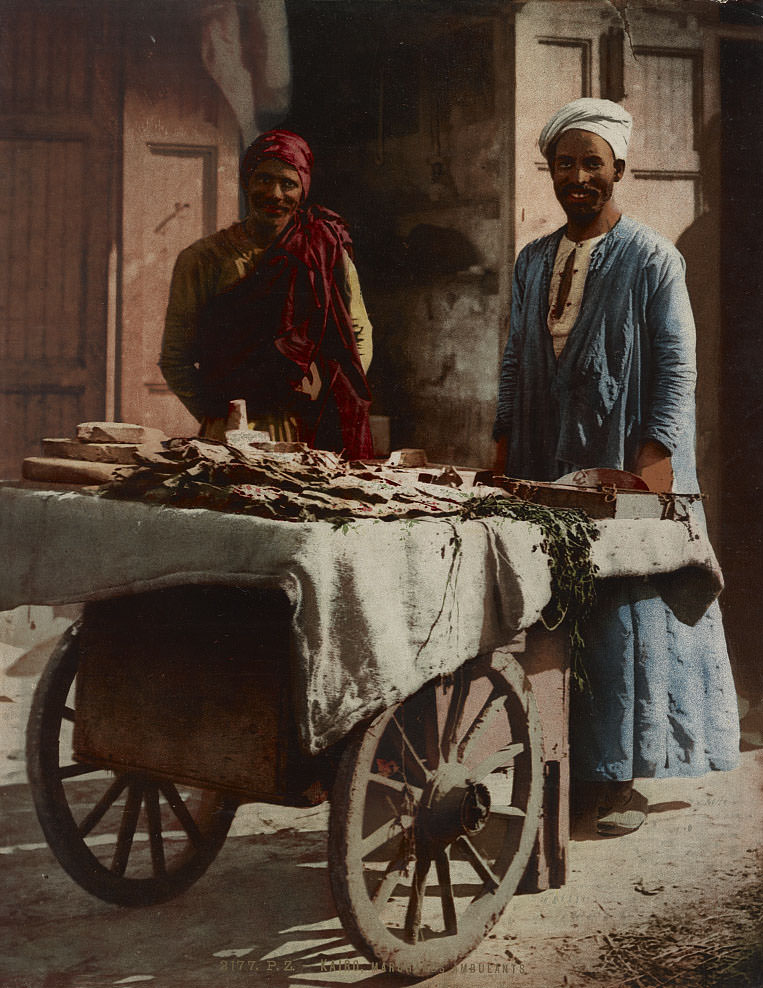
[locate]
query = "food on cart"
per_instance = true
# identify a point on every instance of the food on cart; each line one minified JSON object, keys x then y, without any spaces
{"x":94,"y":456}
{"x":118,"y":432}
{"x":60,"y":470}
{"x":289,"y":481}
{"x":407,"y":458}
{"x":97,"y":452}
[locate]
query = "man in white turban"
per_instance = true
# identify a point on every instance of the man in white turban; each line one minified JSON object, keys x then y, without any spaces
{"x":599,"y":371}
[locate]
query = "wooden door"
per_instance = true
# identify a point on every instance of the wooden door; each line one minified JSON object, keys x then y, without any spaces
{"x":58,"y":169}
{"x":181,"y":150}
{"x":567,"y":50}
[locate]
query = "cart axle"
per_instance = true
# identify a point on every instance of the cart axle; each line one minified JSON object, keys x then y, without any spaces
{"x":451,"y":811}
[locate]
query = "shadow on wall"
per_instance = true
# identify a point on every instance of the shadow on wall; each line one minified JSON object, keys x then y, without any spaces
{"x":701,"y":272}
{"x":729,"y":364}
{"x":432,"y":251}
{"x":699,"y":246}
{"x":403,"y":279}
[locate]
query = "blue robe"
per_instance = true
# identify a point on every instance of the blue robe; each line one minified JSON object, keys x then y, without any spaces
{"x":662,"y":699}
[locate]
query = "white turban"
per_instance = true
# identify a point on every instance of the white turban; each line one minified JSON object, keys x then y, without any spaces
{"x":599,"y":116}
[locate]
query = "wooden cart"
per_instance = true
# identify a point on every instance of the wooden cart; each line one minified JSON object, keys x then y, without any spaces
{"x":160,"y":713}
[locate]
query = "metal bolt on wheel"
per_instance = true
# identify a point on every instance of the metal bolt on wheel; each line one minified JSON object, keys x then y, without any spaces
{"x":127,"y":838}
{"x":434,"y":815}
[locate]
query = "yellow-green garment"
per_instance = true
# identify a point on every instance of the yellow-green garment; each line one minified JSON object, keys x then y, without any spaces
{"x":206,"y":269}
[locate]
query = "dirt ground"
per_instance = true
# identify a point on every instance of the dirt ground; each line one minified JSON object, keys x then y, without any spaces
{"x":678,"y":903}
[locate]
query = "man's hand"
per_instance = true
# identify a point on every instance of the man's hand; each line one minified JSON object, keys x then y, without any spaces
{"x":501,"y":452}
{"x":311,"y":383}
{"x":654,"y":465}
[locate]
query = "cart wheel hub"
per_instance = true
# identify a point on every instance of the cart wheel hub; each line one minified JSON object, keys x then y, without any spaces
{"x":453,"y":812}
{"x":475,"y":808}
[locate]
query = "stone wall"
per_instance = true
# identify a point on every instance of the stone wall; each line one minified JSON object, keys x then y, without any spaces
{"x":437,"y":199}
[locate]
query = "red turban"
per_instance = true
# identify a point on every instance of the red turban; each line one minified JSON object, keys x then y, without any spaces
{"x":285,"y":145}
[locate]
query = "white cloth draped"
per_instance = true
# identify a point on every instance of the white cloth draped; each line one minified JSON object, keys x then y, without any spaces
{"x":378,"y":609}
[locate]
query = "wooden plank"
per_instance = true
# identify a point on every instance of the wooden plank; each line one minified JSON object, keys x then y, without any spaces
{"x":34,"y":414}
{"x":38,"y":178}
{"x":23,"y":30}
{"x":6,"y":213}
{"x":74,"y":449}
{"x":57,"y":376}
{"x":18,"y":232}
{"x":70,"y":331}
{"x":62,"y":471}
{"x":118,"y":432}
{"x":545,"y":661}
{"x":599,"y":502}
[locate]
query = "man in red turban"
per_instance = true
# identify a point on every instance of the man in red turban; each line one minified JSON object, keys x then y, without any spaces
{"x":270,"y":310}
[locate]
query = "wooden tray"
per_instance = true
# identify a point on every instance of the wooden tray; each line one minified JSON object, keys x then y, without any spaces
{"x":599,"y":502}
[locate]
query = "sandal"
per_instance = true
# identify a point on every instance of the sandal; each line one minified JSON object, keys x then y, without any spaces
{"x":626,"y":816}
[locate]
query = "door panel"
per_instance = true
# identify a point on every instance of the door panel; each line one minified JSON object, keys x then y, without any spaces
{"x":58,"y":127}
{"x":663,"y":185}
{"x":663,"y":88}
{"x":181,"y":209}
{"x":557,"y":47}
{"x":562,"y":53}
{"x":181,"y":150}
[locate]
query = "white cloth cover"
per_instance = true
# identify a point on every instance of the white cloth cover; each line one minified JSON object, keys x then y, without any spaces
{"x":378,"y":609}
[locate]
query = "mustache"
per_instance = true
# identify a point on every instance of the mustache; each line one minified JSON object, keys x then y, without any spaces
{"x":577,"y":188}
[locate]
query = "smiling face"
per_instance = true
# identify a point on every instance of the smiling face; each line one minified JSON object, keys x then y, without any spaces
{"x":584,"y":171}
{"x":273,"y":194}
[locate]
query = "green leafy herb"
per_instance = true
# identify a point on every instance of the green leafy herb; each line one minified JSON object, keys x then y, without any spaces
{"x":567,"y":537}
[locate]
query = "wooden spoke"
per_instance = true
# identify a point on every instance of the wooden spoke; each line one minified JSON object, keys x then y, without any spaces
{"x":392,"y":876}
{"x":454,"y":714}
{"x":416,"y":898}
{"x":442,"y":864}
{"x":97,"y":813}
{"x":384,"y":834}
{"x":180,"y":810}
{"x":501,"y":759}
{"x":428,"y":728}
{"x":484,"y":871}
{"x":127,"y":828}
{"x":408,"y":745}
{"x":509,"y":811}
{"x":155,"y":831}
{"x":481,"y":723}
{"x":396,"y":784}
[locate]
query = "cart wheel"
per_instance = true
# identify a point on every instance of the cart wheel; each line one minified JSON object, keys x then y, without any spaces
{"x":127,"y":838}
{"x":450,"y":778}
